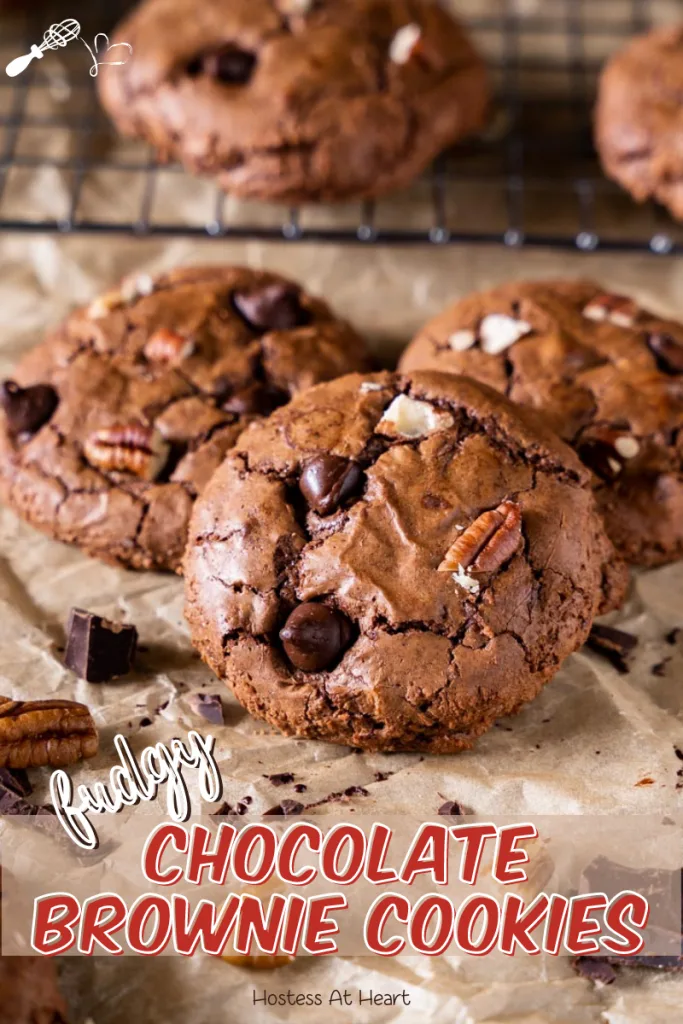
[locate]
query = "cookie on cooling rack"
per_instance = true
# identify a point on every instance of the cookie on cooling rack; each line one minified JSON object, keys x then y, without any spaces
{"x":424,"y":557}
{"x":607,"y":374}
{"x":112,"y":426}
{"x":639,"y":118}
{"x":298,"y":100}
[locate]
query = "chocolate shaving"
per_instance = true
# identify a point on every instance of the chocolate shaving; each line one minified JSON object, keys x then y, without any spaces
{"x":286,"y":807}
{"x":450,"y":807}
{"x":280,"y":778}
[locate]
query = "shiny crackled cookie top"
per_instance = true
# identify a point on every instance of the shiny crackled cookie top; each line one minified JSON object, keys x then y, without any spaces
{"x":608,"y":376}
{"x":112,"y":426}
{"x":394,"y":561}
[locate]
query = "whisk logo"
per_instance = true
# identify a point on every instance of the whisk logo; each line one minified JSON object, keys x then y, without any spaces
{"x":61,"y":34}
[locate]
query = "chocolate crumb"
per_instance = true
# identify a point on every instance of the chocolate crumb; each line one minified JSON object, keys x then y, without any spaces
{"x":672,"y":636}
{"x":382,"y":776}
{"x":280,"y":778}
{"x":225,"y":808}
{"x":613,"y":644}
{"x":450,"y":807}
{"x":286,"y":807}
{"x":300,"y":787}
{"x":356,"y":791}
{"x":144,"y":722}
{"x":660,"y":668}
{"x":679,"y":753}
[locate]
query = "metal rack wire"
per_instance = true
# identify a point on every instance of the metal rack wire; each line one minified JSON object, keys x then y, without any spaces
{"x":531,"y":179}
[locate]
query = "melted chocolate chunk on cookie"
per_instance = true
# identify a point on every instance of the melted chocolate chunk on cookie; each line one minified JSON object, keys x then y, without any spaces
{"x":328,"y":480}
{"x":27,"y":409}
{"x":229,"y":64}
{"x":257,"y":399}
{"x":314,"y":636}
{"x":668,"y":352}
{"x":276,"y":307}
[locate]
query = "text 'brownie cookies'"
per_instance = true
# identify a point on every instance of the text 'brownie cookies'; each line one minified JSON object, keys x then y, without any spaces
{"x":607,"y":375}
{"x":297,"y":100}
{"x":639,"y":118}
{"x":394,"y":562}
{"x":113,"y":425}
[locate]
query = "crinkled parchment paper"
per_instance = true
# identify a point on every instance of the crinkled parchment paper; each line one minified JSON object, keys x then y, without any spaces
{"x":595,"y":741}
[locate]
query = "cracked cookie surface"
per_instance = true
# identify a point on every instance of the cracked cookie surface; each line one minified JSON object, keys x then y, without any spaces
{"x":113,"y":425}
{"x":319,"y":584}
{"x":608,"y":376}
{"x":639,"y":118}
{"x":298,"y":100}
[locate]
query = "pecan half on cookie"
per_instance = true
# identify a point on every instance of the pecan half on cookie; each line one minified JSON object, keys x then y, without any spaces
{"x":424,"y":557}
{"x":40,"y":733}
{"x":608,"y":377}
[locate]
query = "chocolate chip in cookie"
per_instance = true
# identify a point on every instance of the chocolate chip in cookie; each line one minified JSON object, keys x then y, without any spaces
{"x":276,"y":307}
{"x":230,"y":64}
{"x":314,"y":636}
{"x":27,"y":409}
{"x":328,"y":480}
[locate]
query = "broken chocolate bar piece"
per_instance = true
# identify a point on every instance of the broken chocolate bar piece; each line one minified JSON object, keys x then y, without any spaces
{"x":39,"y":733}
{"x":98,"y":650}
{"x":613,"y":644}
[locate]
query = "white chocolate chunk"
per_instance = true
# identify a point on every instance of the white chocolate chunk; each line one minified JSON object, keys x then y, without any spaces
{"x":596,"y":311}
{"x":403,"y":43}
{"x":296,"y":6}
{"x":620,"y":319}
{"x":460,"y":341}
{"x":626,"y":446}
{"x":410,"y":418}
{"x":498,"y":332}
{"x":370,"y":385}
{"x":467,"y":583}
{"x":614,"y":466}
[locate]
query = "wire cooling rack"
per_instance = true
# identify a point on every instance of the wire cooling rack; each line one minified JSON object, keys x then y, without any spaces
{"x":531,"y":179}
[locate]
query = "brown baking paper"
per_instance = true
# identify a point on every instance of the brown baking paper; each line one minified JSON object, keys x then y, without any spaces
{"x":594,"y":742}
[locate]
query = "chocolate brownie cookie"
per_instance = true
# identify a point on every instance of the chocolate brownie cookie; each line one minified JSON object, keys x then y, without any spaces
{"x":298,"y":100}
{"x":639,"y":118}
{"x":608,"y":376}
{"x":115,"y":422}
{"x":393,"y":562}
{"x":29,"y":993}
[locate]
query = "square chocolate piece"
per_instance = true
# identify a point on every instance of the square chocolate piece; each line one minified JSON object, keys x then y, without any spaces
{"x":98,"y":650}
